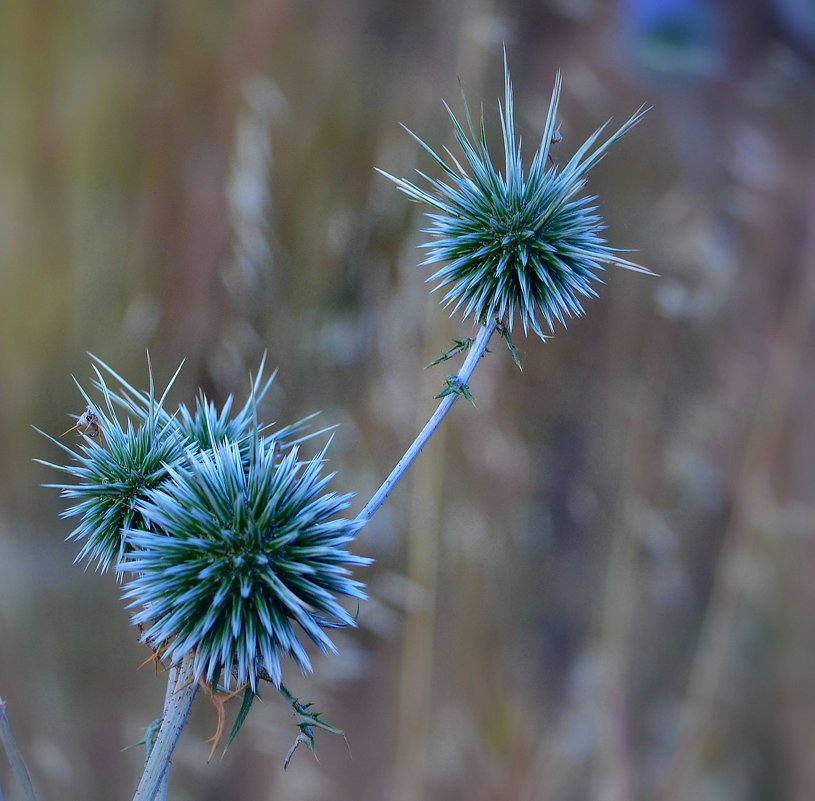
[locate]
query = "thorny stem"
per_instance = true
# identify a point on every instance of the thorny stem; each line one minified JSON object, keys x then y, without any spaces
{"x":172,"y":685}
{"x":475,"y":352}
{"x":181,"y":688}
{"x":14,"y":756}
{"x":176,"y":711}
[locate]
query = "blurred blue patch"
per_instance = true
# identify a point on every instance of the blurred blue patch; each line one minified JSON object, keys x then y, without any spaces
{"x":797,"y":18}
{"x":673,"y":38}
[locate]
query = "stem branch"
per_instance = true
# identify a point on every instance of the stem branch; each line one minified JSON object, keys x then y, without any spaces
{"x":172,"y":685}
{"x":176,"y":711}
{"x":476,"y":351}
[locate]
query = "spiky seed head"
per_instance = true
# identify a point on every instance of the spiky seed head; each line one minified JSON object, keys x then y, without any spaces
{"x":519,"y":242}
{"x":204,"y":424}
{"x":115,"y":471}
{"x":243,"y":556}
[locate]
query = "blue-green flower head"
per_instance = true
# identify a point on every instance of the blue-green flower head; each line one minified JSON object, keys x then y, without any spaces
{"x":115,"y":466}
{"x":246,"y":556}
{"x":518,"y":242}
{"x":205,"y":425}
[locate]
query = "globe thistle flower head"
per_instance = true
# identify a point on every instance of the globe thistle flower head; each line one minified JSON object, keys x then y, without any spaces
{"x":116,"y":466}
{"x":519,"y":242}
{"x":251,"y":553}
{"x":205,"y":425}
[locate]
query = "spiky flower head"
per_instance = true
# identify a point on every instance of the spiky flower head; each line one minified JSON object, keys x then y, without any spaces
{"x":232,"y":542}
{"x":116,"y":466}
{"x":242,"y":556}
{"x":515,"y":242}
{"x":116,"y":463}
{"x":204,"y":424}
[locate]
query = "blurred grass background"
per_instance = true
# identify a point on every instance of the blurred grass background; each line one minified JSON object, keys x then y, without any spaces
{"x":596,"y":585}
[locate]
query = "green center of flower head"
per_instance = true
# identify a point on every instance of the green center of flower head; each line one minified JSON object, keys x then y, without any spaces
{"x":512,"y":232}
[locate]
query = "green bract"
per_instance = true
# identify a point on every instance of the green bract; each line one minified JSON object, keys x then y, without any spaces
{"x":240,"y":551}
{"x":515,"y":242}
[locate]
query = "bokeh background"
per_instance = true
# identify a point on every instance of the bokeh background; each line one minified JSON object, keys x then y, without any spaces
{"x":595,"y":585}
